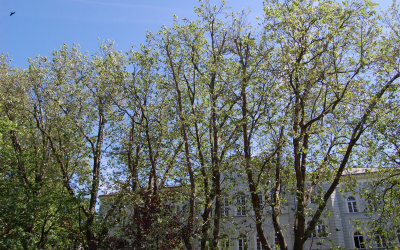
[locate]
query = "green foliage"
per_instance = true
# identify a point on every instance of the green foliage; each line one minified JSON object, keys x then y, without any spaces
{"x":36,"y":211}
{"x":289,"y":105}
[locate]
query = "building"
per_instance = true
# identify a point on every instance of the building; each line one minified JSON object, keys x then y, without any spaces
{"x":335,"y":229}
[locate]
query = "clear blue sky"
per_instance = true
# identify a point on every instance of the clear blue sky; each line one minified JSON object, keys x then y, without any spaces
{"x":40,"y":26}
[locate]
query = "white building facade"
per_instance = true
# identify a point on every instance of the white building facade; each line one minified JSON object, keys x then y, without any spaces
{"x":335,"y":230}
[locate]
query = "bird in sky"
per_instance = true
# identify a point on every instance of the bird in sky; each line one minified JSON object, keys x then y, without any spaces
{"x":12,"y":13}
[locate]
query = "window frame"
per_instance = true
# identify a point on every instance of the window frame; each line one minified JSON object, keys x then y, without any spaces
{"x":225,"y":206}
{"x":224,"y":243}
{"x":380,"y":241}
{"x":262,"y":204}
{"x":360,"y":240}
{"x":277,"y":246}
{"x":398,"y":235}
{"x":258,"y":244}
{"x":373,"y":205}
{"x":319,"y":231}
{"x":241,"y":205}
{"x":242,"y":242}
{"x":352,"y":204}
{"x":315,"y":198}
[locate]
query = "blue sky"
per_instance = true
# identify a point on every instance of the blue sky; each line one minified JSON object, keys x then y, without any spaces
{"x":41,"y":26}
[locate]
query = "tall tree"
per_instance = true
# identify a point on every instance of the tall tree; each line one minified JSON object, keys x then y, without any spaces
{"x":147,"y":136}
{"x":327,"y":53}
{"x":199,"y":71}
{"x":383,"y":190}
{"x":81,"y":90}
{"x":256,"y":86}
{"x":36,"y":211}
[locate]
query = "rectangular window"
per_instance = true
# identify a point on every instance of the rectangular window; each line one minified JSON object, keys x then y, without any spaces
{"x":315,"y":198}
{"x":276,"y":241}
{"x":242,"y":243}
{"x":358,"y":240}
{"x":319,"y":230}
{"x":225,"y":207}
{"x":259,"y":245}
{"x":352,"y":205}
{"x":224,"y":245}
{"x":241,"y":205}
{"x":380,"y":241}
{"x":398,"y":235}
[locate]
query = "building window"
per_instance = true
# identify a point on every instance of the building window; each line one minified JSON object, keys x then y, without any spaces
{"x":370,"y":206}
{"x":224,"y":243}
{"x":184,"y":209}
{"x":315,"y":198}
{"x":242,"y":243}
{"x":380,"y":241}
{"x":276,"y":241}
{"x":241,"y":205}
{"x":261,"y":204}
{"x":398,"y":235}
{"x":358,"y":240}
{"x":272,"y":200}
{"x":259,"y":245}
{"x":352,"y":205}
{"x":225,"y":207}
{"x":373,"y":205}
{"x":319,"y":230}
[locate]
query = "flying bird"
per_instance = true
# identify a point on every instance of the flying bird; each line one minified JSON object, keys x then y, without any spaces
{"x":12,"y":13}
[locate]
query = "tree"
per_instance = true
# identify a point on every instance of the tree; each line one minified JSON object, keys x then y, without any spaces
{"x":256,"y":87}
{"x":199,"y":73}
{"x":329,"y":58}
{"x":383,"y":191}
{"x":147,"y":136}
{"x":292,"y":103}
{"x":36,"y":212}
{"x":82,"y":91}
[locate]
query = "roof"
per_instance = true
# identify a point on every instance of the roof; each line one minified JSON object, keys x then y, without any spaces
{"x":356,"y":171}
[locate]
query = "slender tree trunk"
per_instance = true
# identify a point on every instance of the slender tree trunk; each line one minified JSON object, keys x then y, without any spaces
{"x":252,"y":186}
{"x":216,"y":172}
{"x":187,"y":233}
{"x":97,"y":153}
{"x":278,"y":206}
{"x":209,"y":196}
